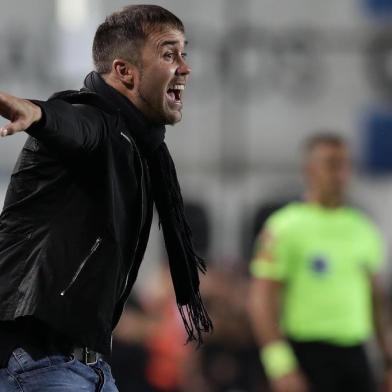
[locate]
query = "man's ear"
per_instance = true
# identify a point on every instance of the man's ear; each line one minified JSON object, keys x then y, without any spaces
{"x":124,"y":72}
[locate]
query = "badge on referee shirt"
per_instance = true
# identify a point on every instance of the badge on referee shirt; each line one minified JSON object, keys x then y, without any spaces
{"x":320,"y":265}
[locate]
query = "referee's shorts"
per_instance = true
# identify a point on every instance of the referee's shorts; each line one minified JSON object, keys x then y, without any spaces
{"x":331,"y":368}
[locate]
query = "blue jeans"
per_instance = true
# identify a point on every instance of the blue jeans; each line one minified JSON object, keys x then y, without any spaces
{"x":54,"y":373}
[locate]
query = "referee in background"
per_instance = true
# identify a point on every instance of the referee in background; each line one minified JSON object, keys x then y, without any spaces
{"x":315,"y":296}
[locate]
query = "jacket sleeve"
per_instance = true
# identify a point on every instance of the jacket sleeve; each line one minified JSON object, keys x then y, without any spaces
{"x":70,"y":129}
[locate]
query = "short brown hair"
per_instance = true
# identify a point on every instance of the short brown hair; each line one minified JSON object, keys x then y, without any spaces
{"x":324,"y":138}
{"x":123,"y":33}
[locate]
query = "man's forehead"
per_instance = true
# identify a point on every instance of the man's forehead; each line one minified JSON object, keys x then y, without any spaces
{"x":328,"y":148}
{"x":326,"y":152}
{"x":167,"y":37}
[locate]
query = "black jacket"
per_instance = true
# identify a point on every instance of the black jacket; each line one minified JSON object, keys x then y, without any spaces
{"x":76,"y":220}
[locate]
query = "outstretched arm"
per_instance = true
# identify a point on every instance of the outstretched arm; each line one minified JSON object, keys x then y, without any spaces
{"x":71,"y":130}
{"x":21,"y":114}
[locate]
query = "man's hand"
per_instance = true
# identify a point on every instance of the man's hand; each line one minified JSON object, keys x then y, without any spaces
{"x":292,"y":382}
{"x":20,"y":112}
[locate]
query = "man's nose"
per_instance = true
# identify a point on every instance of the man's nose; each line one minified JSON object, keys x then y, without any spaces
{"x":183,"y":68}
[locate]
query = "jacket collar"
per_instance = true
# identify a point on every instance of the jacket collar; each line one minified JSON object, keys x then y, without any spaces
{"x":148,"y":136}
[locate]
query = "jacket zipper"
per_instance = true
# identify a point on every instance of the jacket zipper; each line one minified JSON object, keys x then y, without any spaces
{"x":142,"y":191}
{"x":82,"y":264}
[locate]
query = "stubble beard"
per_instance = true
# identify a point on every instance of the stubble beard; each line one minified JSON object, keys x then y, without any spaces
{"x":157,"y":116}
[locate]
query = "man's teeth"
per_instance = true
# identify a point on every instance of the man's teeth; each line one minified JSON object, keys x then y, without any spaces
{"x":175,"y":91}
{"x":178,"y":87}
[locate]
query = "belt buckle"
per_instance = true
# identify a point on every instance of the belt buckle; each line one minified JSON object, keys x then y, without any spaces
{"x":88,"y":355}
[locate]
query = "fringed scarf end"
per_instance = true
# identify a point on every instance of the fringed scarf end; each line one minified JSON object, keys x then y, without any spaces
{"x":196,"y":319}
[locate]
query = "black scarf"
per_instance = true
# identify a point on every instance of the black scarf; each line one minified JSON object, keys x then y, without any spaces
{"x":183,"y":261}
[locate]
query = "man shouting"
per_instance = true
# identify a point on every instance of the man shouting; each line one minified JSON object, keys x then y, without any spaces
{"x":78,"y":209}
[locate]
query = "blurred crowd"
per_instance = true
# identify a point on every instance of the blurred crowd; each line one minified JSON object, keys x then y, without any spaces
{"x":149,"y":354}
{"x":149,"y":350}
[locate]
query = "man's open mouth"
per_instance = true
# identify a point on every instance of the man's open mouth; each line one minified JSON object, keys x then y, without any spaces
{"x":175,"y":92}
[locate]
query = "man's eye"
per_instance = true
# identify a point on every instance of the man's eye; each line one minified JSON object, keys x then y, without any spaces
{"x":184,"y":55}
{"x":168,"y":56}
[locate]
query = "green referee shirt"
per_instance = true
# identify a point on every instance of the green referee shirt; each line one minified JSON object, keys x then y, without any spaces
{"x":324,"y":257}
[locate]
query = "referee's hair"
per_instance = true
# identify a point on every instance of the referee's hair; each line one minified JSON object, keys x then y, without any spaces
{"x":123,"y":34}
{"x":324,"y":138}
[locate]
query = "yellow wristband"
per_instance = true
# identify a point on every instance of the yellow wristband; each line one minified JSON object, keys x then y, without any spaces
{"x":278,"y":359}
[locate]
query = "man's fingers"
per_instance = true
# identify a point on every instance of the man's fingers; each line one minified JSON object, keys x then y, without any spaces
{"x":20,"y":113}
{"x":4,"y":130}
{"x":11,"y":128}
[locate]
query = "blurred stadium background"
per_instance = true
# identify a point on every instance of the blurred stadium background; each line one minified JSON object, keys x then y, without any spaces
{"x":266,"y":74}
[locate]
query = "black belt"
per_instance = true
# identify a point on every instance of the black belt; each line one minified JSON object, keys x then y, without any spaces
{"x":86,"y":356}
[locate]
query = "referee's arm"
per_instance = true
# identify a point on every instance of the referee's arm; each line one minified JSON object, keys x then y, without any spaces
{"x":264,"y":312}
{"x":383,"y":326}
